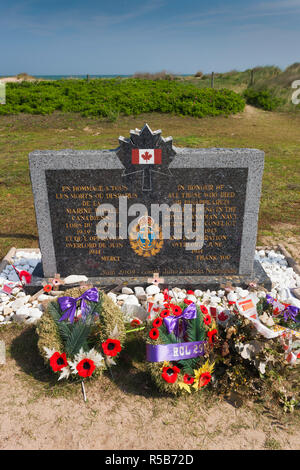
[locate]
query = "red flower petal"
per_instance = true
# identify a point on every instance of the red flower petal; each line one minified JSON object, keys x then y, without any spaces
{"x":135,"y":322}
{"x":154,"y":333}
{"x":86,"y":367}
{"x":203,"y":309}
{"x":205,"y":378}
{"x":176,"y":310}
{"x":47,"y":288}
{"x":157,"y":322}
{"x":58,"y":361}
{"x":188,"y":379}
{"x":211,"y":334}
{"x":164,"y":313}
{"x":207,"y":319}
{"x":111,"y":347}
{"x":190,"y":292}
{"x":188,"y":302}
{"x":169,"y":374}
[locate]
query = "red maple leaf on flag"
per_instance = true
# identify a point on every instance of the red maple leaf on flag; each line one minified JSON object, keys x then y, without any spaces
{"x":146,"y":156}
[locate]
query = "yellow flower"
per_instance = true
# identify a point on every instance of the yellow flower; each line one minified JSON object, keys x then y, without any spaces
{"x":184,"y":386}
{"x":202,"y":375}
{"x":166,"y":364}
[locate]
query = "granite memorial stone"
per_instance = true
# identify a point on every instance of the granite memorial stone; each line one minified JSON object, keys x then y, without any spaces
{"x":114,"y":215}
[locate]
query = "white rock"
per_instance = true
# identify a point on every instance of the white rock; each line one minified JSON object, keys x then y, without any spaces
{"x":159,"y":297}
{"x":34,"y":313}
{"x":44,"y":297}
{"x":4,"y":297}
{"x":261,"y":293}
{"x":284,"y":294}
{"x":21,"y":294}
{"x":198,"y":293}
{"x":131,"y":300}
{"x":152,"y":290}
{"x":122,"y":296}
{"x":243,"y":293}
{"x":112,"y":296}
{"x":232,"y":297}
{"x":7,"y":310}
{"x":293,"y":301}
{"x":73,"y":278}
{"x":23,"y":311}
{"x":181,"y":295}
{"x":139,"y":291}
{"x":127,"y":290}
{"x":19,"y":302}
{"x":134,"y":311}
{"x":31,"y":320}
{"x":16,"y":290}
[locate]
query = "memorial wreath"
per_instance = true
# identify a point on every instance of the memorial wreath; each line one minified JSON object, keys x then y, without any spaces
{"x":81,"y":333}
{"x":178,"y":344}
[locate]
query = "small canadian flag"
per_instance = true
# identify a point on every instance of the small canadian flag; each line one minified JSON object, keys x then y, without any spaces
{"x":146,"y":157}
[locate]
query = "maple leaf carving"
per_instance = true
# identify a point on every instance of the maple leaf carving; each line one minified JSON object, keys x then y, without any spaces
{"x":146,"y":156}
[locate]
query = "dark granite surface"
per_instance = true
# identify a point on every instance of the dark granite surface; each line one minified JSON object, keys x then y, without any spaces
{"x":69,"y":185}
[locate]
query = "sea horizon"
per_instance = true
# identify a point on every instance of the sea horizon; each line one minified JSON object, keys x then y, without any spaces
{"x":78,"y":76}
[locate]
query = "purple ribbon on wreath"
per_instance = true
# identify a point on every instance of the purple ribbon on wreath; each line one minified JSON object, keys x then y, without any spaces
{"x":172,"y":322}
{"x":68,"y":304}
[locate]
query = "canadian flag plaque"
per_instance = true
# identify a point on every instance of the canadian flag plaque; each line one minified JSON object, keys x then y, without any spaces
{"x":146,"y":157}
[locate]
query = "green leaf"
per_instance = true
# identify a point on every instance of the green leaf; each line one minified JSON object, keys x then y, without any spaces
{"x":78,"y":337}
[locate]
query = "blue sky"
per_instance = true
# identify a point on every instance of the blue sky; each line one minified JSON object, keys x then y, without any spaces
{"x":127,"y":36}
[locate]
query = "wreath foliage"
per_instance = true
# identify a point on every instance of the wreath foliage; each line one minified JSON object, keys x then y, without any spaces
{"x":86,"y":346}
{"x":185,"y":375}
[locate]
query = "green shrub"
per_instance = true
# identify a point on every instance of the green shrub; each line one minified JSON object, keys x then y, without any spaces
{"x":114,"y":97}
{"x":262,"y":99}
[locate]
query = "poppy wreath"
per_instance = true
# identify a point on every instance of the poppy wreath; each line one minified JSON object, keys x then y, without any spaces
{"x":179,"y":340}
{"x":81,"y":333}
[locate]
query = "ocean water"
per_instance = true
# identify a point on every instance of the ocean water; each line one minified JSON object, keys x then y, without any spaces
{"x":61,"y":77}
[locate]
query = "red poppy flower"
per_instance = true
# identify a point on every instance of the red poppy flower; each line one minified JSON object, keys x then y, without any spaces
{"x":47,"y":288}
{"x":188,"y":379}
{"x":203,"y":309}
{"x":169,"y":374}
{"x":58,"y":361}
{"x":135,"y":322}
{"x":298,"y":356}
{"x":205,"y":378}
{"x":207,"y":319}
{"x":164,"y":313}
{"x":111,"y":347}
{"x":157,"y":322}
{"x":188,"y":302}
{"x":86,"y":367}
{"x":190,"y":292}
{"x":154,"y":333}
{"x":176,"y":310}
{"x":211,"y":335}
